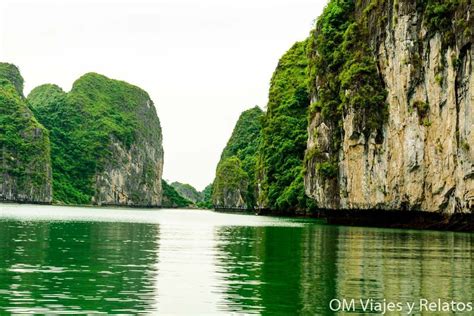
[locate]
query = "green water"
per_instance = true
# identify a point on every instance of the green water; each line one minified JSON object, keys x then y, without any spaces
{"x":56,"y":259}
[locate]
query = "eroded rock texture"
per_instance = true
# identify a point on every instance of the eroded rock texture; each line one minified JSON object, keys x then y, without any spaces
{"x":421,"y":156}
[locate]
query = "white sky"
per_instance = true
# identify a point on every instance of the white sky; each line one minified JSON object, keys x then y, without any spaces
{"x":202,"y":61}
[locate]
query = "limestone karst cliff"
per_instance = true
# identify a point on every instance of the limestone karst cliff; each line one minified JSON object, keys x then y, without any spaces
{"x":234,"y":184}
{"x":106,"y":142}
{"x":392,"y":118}
{"x":25,"y":163}
{"x":283,"y":138}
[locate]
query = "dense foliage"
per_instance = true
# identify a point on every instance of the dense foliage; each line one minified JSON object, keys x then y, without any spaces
{"x":171,"y":197}
{"x":82,"y":124}
{"x":284,"y":134}
{"x":449,"y":18}
{"x":245,"y":139}
{"x":344,"y":70}
{"x":11,"y":73}
{"x":206,"y":196}
{"x":194,"y":198}
{"x":24,"y":143}
{"x":231,"y":180}
{"x":239,"y":156}
{"x":48,"y":103}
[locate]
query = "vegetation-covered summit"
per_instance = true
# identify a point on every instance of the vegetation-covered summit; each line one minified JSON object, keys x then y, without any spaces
{"x":92,"y":129}
{"x":12,"y":74}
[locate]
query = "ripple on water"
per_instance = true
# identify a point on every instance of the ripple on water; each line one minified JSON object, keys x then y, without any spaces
{"x":86,"y":260}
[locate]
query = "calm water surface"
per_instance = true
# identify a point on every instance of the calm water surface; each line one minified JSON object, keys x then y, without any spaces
{"x":56,"y":259}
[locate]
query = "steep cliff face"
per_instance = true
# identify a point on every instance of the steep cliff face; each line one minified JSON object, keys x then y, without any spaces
{"x":107,"y":142}
{"x":25,"y":163}
{"x":234,"y":184}
{"x":392,"y":128}
{"x":283,"y":141}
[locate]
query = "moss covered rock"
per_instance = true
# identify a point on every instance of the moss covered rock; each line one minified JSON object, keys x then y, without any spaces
{"x":11,"y":73}
{"x":25,"y":163}
{"x":231,"y":186}
{"x":234,"y":185}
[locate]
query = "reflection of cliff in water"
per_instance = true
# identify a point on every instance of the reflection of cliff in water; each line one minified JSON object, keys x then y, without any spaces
{"x":404,"y":265}
{"x":78,"y":266}
{"x":277,"y":269}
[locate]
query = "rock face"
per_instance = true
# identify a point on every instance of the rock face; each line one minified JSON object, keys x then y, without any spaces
{"x":234,"y":184}
{"x":106,"y":140}
{"x":135,"y":180}
{"x":420,"y":155}
{"x":25,"y":162}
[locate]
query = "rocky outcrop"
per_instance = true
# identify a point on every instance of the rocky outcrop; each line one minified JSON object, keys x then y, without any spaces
{"x":231,"y":186}
{"x":25,"y":162}
{"x":106,"y":142}
{"x":234,"y":184}
{"x":188,"y":191}
{"x":420,"y":155}
{"x":134,"y":181}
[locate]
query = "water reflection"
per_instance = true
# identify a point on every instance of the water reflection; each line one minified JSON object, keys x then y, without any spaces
{"x":77,"y":266}
{"x":281,"y":271}
{"x":196,"y":262}
{"x":277,"y":269}
{"x":187,"y":274}
{"x":404,"y":265}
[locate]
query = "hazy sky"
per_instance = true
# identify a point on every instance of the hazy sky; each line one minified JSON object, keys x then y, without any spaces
{"x":202,"y":61}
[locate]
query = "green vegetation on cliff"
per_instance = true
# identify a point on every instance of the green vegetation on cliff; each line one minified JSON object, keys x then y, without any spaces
{"x":284,"y":134}
{"x":49,"y":105}
{"x":187,"y":191}
{"x":206,"y":195}
{"x":83,"y":122}
{"x":236,"y":169}
{"x":12,"y":74}
{"x":231,"y":188}
{"x":179,"y":194}
{"x":344,"y":78}
{"x":171,"y":197}
{"x":24,"y":143}
{"x":450,"y":18}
